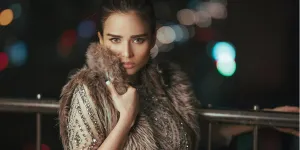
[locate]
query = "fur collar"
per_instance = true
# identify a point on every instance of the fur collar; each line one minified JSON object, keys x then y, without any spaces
{"x":165,"y":80}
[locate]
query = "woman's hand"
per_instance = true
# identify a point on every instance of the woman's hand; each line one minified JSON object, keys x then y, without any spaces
{"x":127,"y":104}
{"x":286,"y":109}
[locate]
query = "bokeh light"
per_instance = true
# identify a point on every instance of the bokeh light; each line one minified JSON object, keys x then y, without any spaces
{"x":186,"y":16}
{"x":203,"y":18}
{"x":221,"y":49}
{"x":68,"y":38}
{"x":17,"y":53}
{"x":67,"y":41}
{"x":224,"y":54}
{"x":217,"y":10}
{"x":17,"y":10}
{"x":191,"y":30}
{"x":87,"y":29}
{"x":154,"y":51}
{"x":181,"y":32}
{"x":226,"y":67}
{"x":6,"y":17}
{"x":166,"y":35}
{"x":3,"y":61}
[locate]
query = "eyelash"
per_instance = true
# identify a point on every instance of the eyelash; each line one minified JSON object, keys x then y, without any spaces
{"x":113,"y":40}
{"x":137,"y":40}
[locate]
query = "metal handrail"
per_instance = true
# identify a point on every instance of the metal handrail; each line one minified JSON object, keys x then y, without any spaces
{"x":29,"y":105}
{"x":255,"y":118}
{"x":278,"y":119}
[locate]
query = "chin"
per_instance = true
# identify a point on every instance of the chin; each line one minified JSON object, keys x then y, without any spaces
{"x":130,"y":71}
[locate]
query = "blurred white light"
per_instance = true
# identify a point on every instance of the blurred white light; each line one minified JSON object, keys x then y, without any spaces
{"x":186,"y":16}
{"x":38,"y":96}
{"x":158,"y":43}
{"x":203,"y":18}
{"x":217,"y":10}
{"x":154,"y":51}
{"x":166,"y":35}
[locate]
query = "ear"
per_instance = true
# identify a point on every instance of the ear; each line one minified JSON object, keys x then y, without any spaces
{"x":100,"y":38}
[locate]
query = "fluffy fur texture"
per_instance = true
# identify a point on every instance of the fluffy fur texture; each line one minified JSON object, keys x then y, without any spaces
{"x":164,"y":80}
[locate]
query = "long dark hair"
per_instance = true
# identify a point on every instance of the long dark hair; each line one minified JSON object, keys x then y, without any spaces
{"x":143,"y":8}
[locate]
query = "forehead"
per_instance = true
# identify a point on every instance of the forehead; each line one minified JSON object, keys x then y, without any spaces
{"x":125,"y":24}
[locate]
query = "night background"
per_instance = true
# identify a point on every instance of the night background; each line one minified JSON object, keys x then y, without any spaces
{"x":43,"y":42}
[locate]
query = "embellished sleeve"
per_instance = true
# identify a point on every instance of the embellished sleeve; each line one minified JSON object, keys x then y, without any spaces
{"x":84,"y":125}
{"x":182,"y":95}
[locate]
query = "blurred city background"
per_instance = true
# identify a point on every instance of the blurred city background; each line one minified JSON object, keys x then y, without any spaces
{"x":237,"y":53}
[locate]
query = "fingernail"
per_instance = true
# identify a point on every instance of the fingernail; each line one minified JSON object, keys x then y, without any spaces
{"x":107,"y":82}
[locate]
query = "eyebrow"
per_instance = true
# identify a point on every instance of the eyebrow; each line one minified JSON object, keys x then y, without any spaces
{"x":133,"y":36}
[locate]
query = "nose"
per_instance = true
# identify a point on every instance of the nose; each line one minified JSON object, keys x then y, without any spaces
{"x":127,"y":50}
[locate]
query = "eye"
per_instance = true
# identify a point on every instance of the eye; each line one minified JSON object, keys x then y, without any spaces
{"x":139,"y":40}
{"x":115,"y":40}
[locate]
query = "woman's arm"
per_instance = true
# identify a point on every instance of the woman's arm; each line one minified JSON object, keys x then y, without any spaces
{"x":117,"y":137}
{"x":85,"y":128}
{"x":127,"y":105}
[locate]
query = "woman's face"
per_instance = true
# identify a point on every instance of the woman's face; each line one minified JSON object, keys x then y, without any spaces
{"x":127,"y":35}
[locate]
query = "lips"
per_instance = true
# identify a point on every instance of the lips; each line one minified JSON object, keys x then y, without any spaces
{"x":128,"y":65}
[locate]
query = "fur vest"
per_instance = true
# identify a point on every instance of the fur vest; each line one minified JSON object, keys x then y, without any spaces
{"x":175,"y":103}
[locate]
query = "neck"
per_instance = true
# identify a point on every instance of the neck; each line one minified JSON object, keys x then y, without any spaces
{"x":134,"y":79}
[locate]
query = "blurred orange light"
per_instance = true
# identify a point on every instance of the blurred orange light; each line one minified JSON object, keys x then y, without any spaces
{"x":6,"y":17}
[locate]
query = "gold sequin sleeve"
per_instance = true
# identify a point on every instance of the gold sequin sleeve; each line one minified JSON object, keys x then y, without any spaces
{"x":84,"y":125}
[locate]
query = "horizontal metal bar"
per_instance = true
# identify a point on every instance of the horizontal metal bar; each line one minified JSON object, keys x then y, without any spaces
{"x":28,"y":105}
{"x":267,"y":118}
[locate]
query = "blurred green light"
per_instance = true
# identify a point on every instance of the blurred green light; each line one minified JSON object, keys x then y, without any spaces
{"x":226,"y":67}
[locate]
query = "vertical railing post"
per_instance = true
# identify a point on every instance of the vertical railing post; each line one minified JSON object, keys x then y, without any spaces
{"x":209,"y":135}
{"x":38,"y":127}
{"x":255,"y":131}
{"x":209,"y":132}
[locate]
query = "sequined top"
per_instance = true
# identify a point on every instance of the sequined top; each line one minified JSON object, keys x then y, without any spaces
{"x":83,"y":123}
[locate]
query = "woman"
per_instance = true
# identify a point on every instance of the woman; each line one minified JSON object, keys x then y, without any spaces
{"x":121,"y":99}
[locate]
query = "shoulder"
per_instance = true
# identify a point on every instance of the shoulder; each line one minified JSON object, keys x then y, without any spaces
{"x":83,"y":83}
{"x":172,"y":73}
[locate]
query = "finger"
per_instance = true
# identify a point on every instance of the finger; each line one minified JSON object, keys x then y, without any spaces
{"x":111,"y":89}
{"x":288,"y":109}
{"x":292,"y":109}
{"x":130,"y":88}
{"x":289,"y":131}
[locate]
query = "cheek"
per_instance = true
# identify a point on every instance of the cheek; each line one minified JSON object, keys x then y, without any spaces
{"x":142,"y":53}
